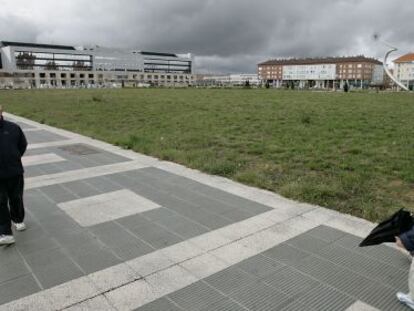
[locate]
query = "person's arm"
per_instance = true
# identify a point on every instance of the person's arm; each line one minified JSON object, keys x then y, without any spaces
{"x":22,"y":144}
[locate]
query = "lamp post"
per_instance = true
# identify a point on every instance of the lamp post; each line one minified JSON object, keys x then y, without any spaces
{"x":384,"y":64}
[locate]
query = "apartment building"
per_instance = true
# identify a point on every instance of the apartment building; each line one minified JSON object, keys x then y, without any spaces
{"x":404,"y":70}
{"x":330,"y":72}
{"x":28,"y":65}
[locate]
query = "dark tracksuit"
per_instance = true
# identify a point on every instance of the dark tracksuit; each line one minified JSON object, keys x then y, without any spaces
{"x":13,"y":145}
{"x":407,"y":239}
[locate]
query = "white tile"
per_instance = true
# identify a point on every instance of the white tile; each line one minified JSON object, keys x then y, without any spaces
{"x":41,"y":159}
{"x":113,"y":277}
{"x":170,"y":280}
{"x":132,"y":296}
{"x":98,"y":303}
{"x":106,"y":207}
{"x":360,"y":306}
{"x":233,"y":253}
{"x":204,"y":265}
{"x":150,"y":263}
{"x":182,"y":251}
{"x":70,"y":293}
{"x":84,"y":173}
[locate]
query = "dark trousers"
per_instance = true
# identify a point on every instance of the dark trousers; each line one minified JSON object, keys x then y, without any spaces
{"x":11,"y":203}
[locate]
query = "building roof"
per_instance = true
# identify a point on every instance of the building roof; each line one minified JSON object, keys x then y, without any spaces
{"x":321,"y":60}
{"x":158,"y":54}
{"x":35,"y":45}
{"x":407,"y":58}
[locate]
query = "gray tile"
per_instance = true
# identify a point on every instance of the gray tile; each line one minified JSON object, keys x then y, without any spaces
{"x":133,"y":221}
{"x":327,"y":234}
{"x":18,"y":288}
{"x":308,"y":243}
{"x":181,"y":226}
{"x":59,"y":223}
{"x":365,"y":266}
{"x":230,"y":280}
{"x":122,"y":243}
{"x":159,"y":214}
{"x":196,"y":296}
{"x":81,"y":189}
{"x":9,"y":254}
{"x":94,"y":258}
{"x":260,"y":297}
{"x":41,"y":260}
{"x":12,"y":270}
{"x":39,"y":244}
{"x":335,"y":276}
{"x":296,"y":306}
{"x":286,"y":254}
{"x":160,"y":305}
{"x":260,"y":266}
{"x":322,"y":298}
{"x":381,"y":297}
{"x":225,"y":305}
{"x":103,"y":184}
{"x":156,"y":236}
{"x":57,"y":273}
{"x":58,"y":194}
{"x":237,"y":214}
{"x":290,"y":281}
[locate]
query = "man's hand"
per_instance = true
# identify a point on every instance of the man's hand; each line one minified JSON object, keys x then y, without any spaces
{"x":399,"y":243}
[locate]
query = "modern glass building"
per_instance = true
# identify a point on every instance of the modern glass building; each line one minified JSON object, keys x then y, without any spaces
{"x":28,"y":65}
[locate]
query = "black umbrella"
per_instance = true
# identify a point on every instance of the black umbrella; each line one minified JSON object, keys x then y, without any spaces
{"x":387,"y":230}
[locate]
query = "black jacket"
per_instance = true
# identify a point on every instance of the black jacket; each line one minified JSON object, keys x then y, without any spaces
{"x":13,"y":145}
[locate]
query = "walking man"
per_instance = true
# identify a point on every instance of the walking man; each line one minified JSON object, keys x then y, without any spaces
{"x":13,"y":145}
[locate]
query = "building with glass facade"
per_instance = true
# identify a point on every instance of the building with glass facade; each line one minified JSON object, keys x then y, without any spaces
{"x":28,"y":65}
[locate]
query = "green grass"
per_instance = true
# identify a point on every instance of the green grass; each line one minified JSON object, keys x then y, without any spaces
{"x":350,"y":152}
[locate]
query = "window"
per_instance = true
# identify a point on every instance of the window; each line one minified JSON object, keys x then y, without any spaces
{"x":63,"y":75}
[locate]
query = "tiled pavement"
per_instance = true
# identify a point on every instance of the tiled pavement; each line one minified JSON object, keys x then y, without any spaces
{"x":109,"y":229}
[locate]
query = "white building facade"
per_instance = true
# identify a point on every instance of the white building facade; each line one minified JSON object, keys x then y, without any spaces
{"x":27,"y":65}
{"x":232,"y":79}
{"x":404,"y":70}
{"x":322,"y":73}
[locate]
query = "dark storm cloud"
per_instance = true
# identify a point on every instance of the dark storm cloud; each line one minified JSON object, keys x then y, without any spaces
{"x":225,"y":35}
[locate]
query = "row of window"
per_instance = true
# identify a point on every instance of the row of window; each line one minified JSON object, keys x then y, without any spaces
{"x":43,"y":75}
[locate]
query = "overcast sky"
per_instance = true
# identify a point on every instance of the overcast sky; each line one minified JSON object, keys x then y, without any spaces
{"x":224,"y":35}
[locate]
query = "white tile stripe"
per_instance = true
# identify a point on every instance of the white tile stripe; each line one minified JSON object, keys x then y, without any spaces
{"x":47,"y":180}
{"x":53,"y":144}
{"x":360,"y":306}
{"x":41,"y":159}
{"x":144,"y":279}
{"x":33,"y":129}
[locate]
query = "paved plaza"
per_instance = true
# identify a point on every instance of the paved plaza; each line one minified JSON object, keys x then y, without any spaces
{"x":110,"y":229}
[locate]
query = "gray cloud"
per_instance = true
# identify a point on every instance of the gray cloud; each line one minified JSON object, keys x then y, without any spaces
{"x":225,"y":36}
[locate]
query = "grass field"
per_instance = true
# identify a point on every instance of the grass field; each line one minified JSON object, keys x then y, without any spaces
{"x":350,"y":152}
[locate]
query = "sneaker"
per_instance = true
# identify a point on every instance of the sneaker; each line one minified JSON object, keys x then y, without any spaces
{"x":20,"y":226}
{"x":406,"y":299}
{"x":6,"y":239}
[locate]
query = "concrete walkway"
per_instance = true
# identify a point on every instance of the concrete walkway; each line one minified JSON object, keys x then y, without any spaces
{"x":110,"y":229}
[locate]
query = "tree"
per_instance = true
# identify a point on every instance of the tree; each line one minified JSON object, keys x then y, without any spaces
{"x":25,"y":60}
{"x":79,"y":66}
{"x":51,"y":65}
{"x":267,"y":85}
